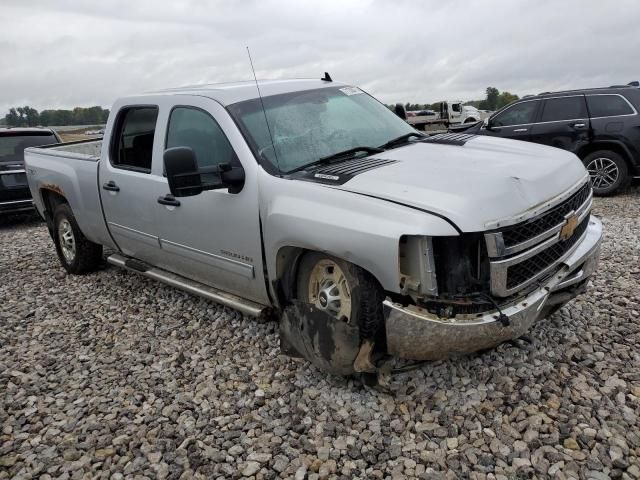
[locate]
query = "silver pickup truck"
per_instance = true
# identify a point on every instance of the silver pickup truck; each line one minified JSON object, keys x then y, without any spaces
{"x":367,"y":239}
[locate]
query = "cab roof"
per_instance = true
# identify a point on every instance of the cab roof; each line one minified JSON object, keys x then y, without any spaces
{"x":234,"y":92}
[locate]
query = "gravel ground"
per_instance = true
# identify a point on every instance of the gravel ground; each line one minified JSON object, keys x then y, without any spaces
{"x":114,"y":376}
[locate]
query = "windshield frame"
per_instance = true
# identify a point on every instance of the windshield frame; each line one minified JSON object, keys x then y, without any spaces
{"x":266,"y":164}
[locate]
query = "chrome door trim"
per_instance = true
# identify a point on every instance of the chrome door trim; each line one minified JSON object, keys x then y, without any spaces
{"x":229,"y":264}
{"x":135,"y":234}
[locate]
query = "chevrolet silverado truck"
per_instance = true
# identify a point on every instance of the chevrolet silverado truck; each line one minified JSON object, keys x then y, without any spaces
{"x":310,"y":201}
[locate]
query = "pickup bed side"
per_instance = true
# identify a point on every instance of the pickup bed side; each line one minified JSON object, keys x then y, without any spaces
{"x":69,"y":171}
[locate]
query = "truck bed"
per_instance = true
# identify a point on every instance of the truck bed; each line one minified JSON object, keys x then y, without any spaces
{"x":70,"y":170}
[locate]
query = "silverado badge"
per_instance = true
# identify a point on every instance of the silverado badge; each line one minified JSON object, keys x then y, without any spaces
{"x":569,"y":227}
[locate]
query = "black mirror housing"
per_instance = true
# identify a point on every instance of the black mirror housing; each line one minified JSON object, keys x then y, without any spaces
{"x":182,"y":172}
{"x":232,"y":177}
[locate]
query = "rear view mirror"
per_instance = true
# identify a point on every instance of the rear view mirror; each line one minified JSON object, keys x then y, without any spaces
{"x":182,"y":172}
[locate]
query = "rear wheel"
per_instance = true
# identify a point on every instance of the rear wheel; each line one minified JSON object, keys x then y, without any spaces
{"x":77,"y":254}
{"x":608,"y":171}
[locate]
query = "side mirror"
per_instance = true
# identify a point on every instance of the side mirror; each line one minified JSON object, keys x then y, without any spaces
{"x":488,"y":123}
{"x":231,"y":177}
{"x":182,"y":172}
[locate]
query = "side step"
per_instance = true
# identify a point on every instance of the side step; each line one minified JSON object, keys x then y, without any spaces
{"x":245,"y":306}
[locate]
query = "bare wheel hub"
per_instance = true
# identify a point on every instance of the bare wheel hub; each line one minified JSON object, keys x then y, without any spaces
{"x":603,"y":172}
{"x":67,"y":240}
{"x":329,"y":290}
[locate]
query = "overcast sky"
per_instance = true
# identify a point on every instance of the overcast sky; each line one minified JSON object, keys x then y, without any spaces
{"x":64,"y":53}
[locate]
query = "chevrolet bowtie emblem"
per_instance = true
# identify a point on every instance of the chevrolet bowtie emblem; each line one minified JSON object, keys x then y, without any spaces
{"x":569,"y":227}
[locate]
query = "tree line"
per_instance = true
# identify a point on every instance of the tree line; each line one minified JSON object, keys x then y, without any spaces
{"x":494,"y":100}
{"x":30,"y":117}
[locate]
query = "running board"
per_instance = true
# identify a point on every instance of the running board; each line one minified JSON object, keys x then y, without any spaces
{"x":245,"y":306}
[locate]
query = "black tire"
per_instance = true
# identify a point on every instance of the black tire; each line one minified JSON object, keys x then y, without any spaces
{"x":366,"y":295}
{"x":77,"y":254}
{"x":470,"y":120}
{"x":600,"y":165}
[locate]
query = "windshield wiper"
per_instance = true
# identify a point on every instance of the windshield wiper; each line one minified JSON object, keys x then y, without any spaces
{"x":338,"y":156}
{"x":400,"y":140}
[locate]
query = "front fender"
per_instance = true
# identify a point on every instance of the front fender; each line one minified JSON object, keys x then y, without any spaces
{"x":362,"y":230}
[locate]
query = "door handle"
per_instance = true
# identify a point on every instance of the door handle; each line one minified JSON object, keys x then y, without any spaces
{"x":578,"y":125}
{"x":169,"y":200}
{"x":111,"y":186}
{"x":519,"y":130}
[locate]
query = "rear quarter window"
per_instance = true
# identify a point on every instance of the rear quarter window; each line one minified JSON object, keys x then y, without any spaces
{"x":608,"y":106}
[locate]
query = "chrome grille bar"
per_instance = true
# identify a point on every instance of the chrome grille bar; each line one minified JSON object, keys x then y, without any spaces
{"x":538,"y":250}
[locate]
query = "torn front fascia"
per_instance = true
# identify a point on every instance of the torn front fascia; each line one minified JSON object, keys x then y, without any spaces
{"x":446,"y":275}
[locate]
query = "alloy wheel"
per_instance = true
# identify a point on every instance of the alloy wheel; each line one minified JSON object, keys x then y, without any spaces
{"x":67,"y":240}
{"x":603,"y":172}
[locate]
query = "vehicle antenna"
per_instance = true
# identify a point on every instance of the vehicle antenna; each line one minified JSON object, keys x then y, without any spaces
{"x":264,"y":111}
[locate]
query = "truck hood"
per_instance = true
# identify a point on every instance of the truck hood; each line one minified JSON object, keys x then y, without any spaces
{"x":477,"y":185}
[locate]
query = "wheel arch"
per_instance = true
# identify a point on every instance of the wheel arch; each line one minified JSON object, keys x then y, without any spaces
{"x":51,"y":199}
{"x":612,"y":145}
{"x":287,"y":265}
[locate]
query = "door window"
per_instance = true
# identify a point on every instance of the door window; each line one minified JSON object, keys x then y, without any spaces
{"x":194,"y":128}
{"x":456,"y":107}
{"x":518,"y":114}
{"x":608,"y":106}
{"x":567,"y":108}
{"x":132,"y":147}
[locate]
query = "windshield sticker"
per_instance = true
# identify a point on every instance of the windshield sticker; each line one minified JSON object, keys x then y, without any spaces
{"x":350,"y":90}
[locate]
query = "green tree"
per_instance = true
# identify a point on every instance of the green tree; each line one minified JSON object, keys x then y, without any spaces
{"x":492,"y":98}
{"x":505,"y":98}
{"x":12,"y":118}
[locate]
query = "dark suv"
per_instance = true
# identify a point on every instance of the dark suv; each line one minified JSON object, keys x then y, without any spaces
{"x":14,"y":190}
{"x":599,"y":125}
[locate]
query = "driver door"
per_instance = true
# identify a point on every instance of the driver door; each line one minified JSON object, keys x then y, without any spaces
{"x":514,"y":122}
{"x":213,"y":237}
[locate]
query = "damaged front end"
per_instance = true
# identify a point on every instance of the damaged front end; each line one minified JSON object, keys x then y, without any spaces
{"x":461,"y":294}
{"x":459,"y":322}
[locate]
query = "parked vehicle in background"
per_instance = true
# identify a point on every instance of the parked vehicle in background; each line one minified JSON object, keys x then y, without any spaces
{"x":367,"y":238}
{"x":451,"y":113}
{"x":600,"y":125}
{"x":14,"y":189}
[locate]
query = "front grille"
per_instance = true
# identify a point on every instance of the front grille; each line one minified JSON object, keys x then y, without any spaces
{"x":521,"y":272}
{"x":552,"y":218}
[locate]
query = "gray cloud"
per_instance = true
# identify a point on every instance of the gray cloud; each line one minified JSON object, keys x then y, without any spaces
{"x":62,"y":53}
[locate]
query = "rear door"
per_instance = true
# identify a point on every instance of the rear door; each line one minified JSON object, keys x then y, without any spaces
{"x":128,"y":188}
{"x":563,"y":123}
{"x":514,"y":121}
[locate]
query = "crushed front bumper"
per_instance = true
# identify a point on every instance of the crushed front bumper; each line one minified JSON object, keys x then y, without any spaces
{"x":415,"y":333}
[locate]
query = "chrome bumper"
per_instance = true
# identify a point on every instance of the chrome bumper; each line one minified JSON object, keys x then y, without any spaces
{"x":415,"y":333}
